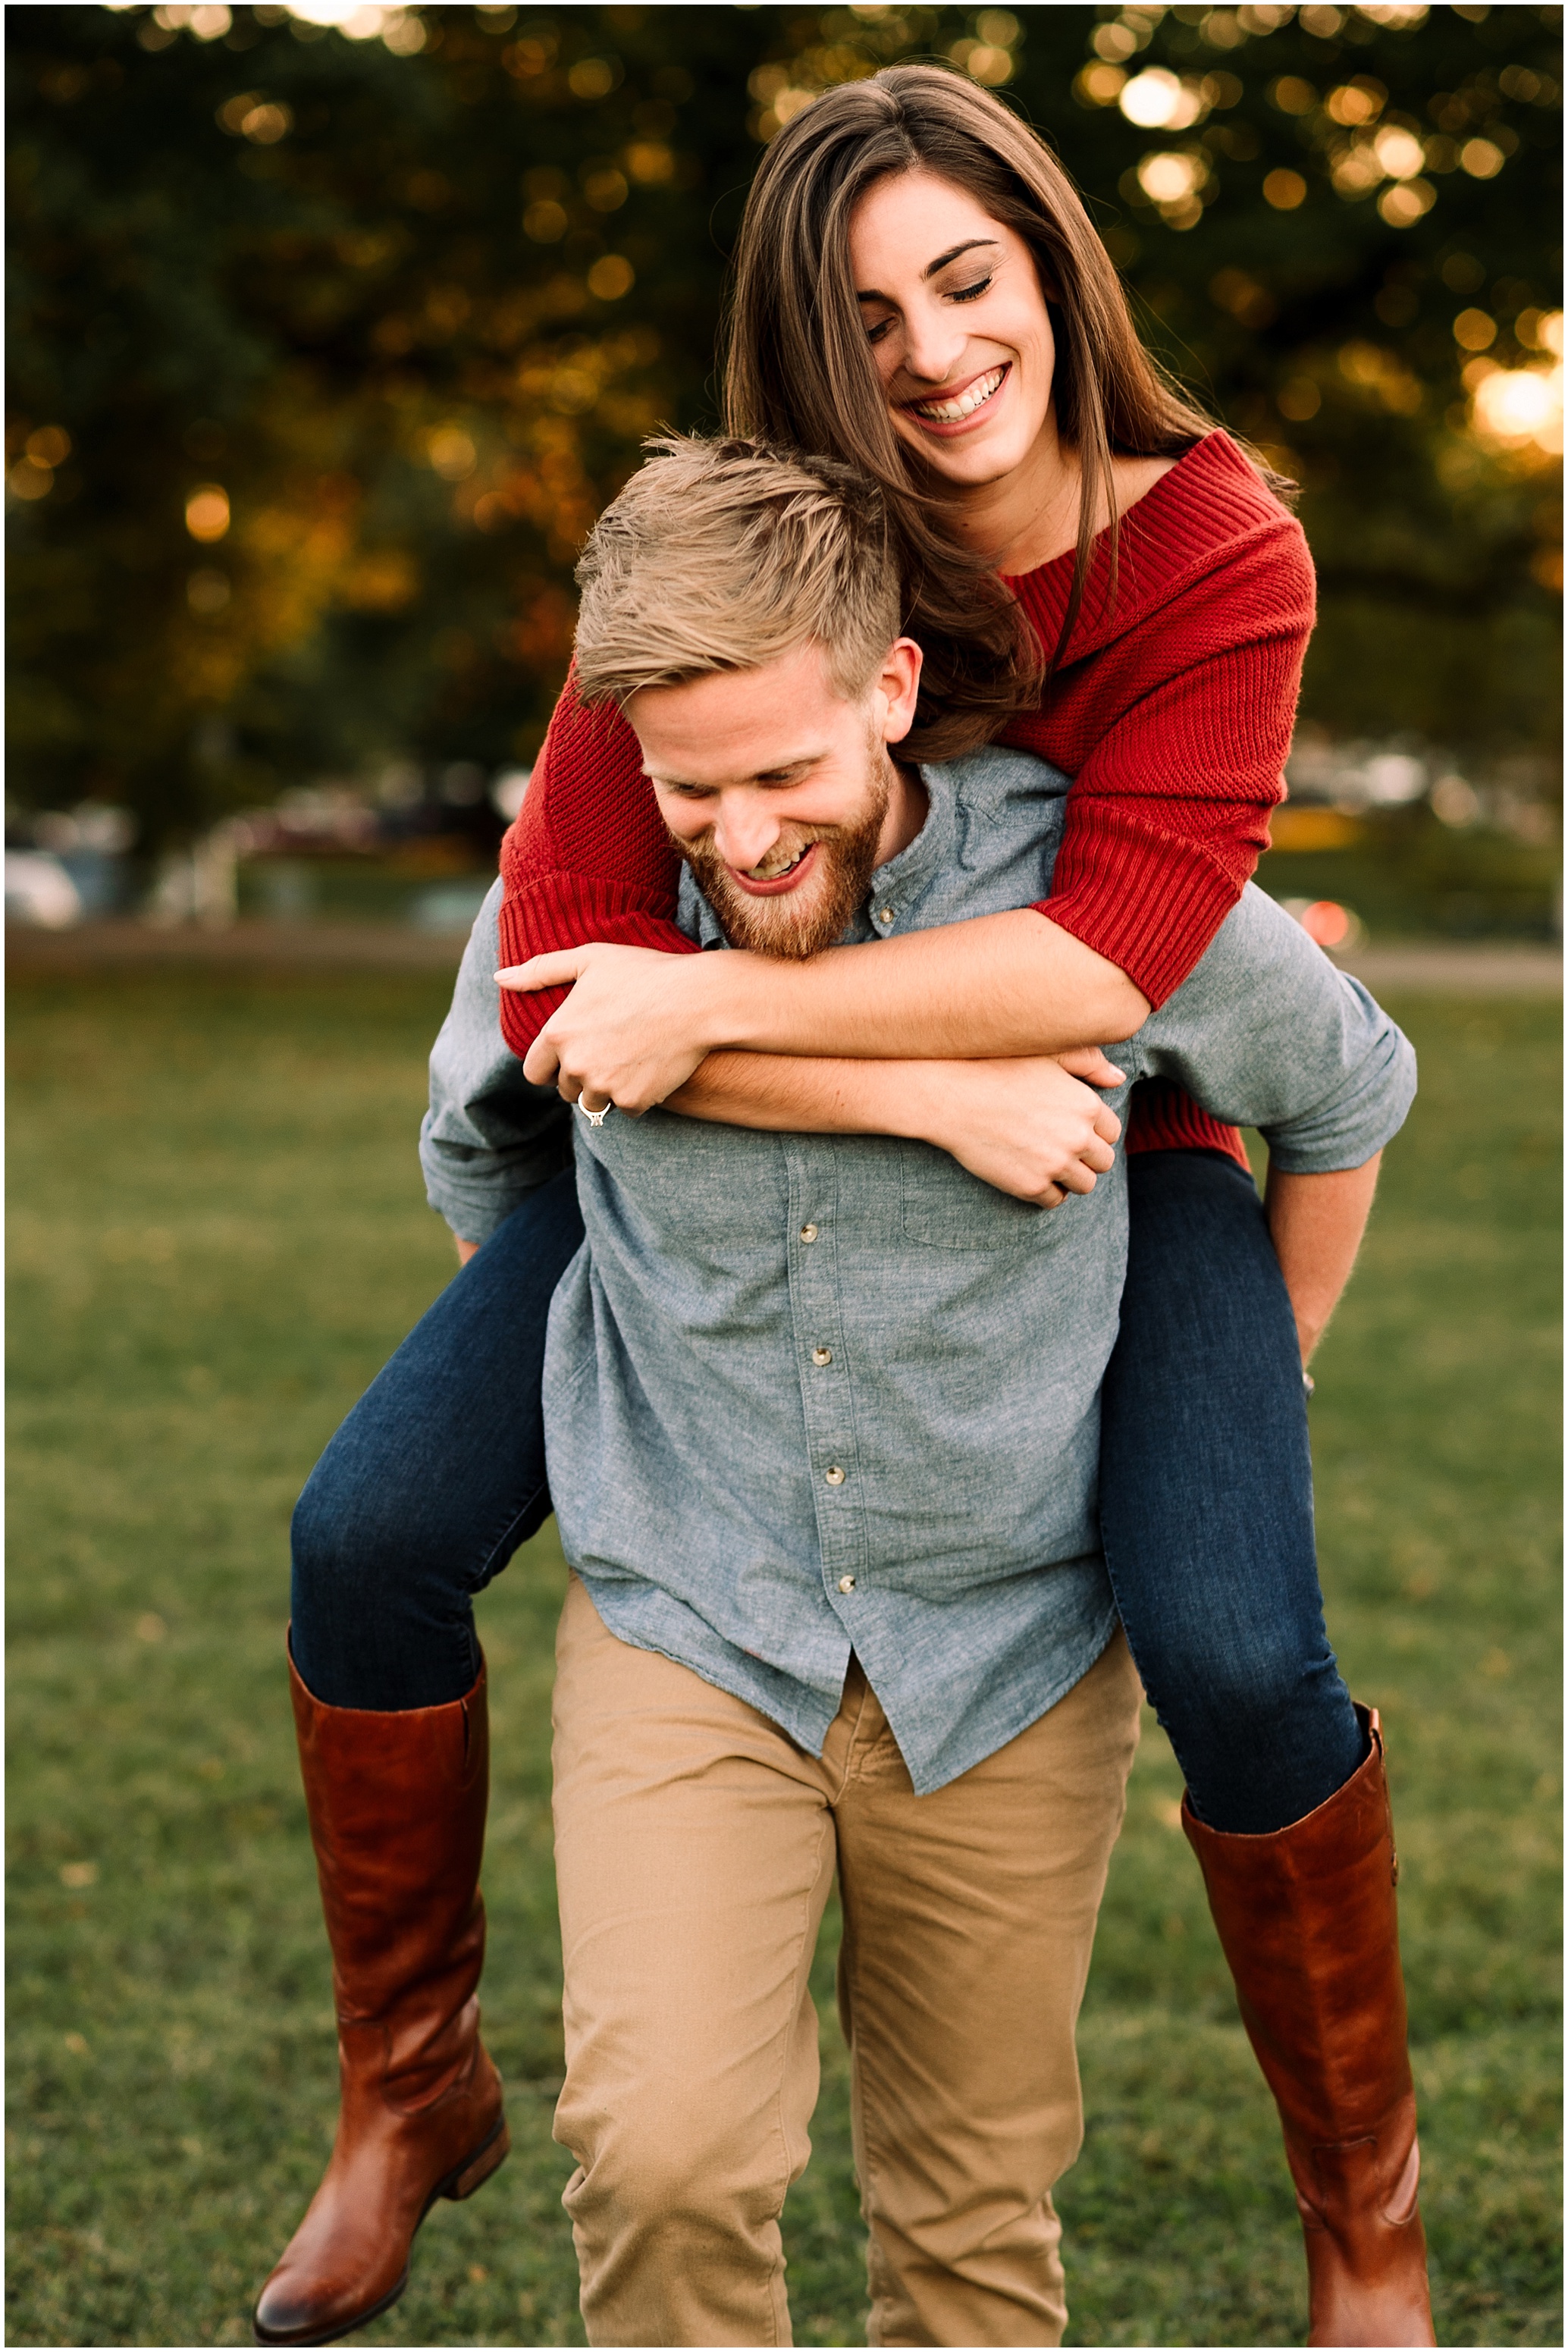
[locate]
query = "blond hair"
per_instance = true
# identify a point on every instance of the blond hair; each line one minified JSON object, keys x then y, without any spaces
{"x":725,"y":555}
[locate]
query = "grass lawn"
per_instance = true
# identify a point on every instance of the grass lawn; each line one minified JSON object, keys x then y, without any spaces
{"x":218,"y":1236}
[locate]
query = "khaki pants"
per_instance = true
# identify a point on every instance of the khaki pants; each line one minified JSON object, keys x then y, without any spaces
{"x":695,"y":1848}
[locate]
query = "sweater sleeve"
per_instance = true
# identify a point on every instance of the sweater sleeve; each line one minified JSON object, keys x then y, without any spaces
{"x":587,"y":857}
{"x":1176,"y":735}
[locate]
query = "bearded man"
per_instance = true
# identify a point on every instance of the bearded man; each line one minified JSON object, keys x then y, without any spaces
{"x":821,"y":1413}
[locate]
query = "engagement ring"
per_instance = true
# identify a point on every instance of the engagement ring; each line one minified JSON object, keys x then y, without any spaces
{"x":594,"y":1118}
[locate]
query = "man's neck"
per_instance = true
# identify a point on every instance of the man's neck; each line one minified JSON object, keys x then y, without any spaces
{"x":907,"y":803}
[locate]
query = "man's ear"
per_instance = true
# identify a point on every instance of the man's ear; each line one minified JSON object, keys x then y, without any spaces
{"x":899,"y":684}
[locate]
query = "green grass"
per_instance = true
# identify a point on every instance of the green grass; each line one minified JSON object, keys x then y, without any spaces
{"x":218,"y":1236}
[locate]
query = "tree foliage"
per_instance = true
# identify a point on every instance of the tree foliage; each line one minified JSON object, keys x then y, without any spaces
{"x":324,"y":355}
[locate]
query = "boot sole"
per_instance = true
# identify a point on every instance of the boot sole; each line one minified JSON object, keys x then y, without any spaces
{"x":461,"y":2182}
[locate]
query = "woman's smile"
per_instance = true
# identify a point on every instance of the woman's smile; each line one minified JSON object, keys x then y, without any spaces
{"x":964,"y":404}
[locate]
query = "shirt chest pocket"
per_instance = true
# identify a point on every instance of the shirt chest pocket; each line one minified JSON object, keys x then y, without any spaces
{"x":945,"y":1207}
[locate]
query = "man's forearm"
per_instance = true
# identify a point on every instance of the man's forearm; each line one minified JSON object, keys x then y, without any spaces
{"x":1317,"y":1224}
{"x":1000,"y":985}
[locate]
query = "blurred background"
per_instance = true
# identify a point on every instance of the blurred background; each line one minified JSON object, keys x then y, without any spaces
{"x":333,"y":326}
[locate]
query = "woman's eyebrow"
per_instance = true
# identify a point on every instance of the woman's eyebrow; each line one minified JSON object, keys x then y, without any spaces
{"x":872,"y":294}
{"x":953,"y":253}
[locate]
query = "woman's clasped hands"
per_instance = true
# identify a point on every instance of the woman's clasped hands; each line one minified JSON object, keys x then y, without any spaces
{"x":641,"y":1028}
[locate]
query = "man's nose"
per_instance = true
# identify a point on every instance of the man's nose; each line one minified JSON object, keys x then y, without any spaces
{"x":744,"y":834}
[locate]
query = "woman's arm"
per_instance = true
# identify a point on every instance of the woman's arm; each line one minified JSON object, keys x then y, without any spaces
{"x":636,"y":1025}
{"x":587,"y":857}
{"x":1030,"y":1126}
{"x":1175,"y":731}
{"x":588,"y":860}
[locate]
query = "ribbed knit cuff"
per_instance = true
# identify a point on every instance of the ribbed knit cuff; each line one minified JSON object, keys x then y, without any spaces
{"x":1149,"y":905}
{"x":1162,"y":1116}
{"x":562,"y":910}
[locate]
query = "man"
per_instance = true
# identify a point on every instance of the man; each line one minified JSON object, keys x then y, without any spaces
{"x":837,"y":1592}
{"x":821,"y":1415}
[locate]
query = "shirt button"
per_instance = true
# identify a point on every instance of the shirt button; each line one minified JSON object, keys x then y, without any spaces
{"x":884,"y":915}
{"x":808,"y":1233}
{"x":835,"y":1476}
{"x":822,"y":1355}
{"x":846,"y":1584}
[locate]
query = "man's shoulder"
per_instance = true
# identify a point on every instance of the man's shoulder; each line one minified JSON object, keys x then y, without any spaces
{"x":1259,"y":962}
{"x":997,"y":772}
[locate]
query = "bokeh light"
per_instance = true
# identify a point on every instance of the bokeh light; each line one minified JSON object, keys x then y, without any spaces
{"x":1158,"y":100}
{"x":206,"y":512}
{"x":1520,"y":408}
{"x":1284,"y":190}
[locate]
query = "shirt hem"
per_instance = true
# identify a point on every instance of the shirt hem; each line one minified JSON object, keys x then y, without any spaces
{"x":926,"y":1787}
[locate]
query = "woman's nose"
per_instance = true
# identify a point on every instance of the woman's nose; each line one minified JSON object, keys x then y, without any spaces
{"x":934,"y":343}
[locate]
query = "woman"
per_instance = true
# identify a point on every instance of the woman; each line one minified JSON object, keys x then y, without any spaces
{"x":919,"y":291}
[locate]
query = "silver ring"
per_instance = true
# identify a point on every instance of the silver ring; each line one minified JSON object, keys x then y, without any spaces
{"x":594,"y":1118}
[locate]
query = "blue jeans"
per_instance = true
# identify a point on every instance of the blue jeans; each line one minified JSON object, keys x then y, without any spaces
{"x":439,"y":1474}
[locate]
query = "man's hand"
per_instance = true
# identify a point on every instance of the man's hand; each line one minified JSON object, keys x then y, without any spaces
{"x":1034,"y":1128}
{"x":634,"y":1027}
{"x":464,"y":1249}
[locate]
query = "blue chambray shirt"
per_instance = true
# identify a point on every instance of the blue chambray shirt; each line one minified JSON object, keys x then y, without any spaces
{"x":810,"y":1395}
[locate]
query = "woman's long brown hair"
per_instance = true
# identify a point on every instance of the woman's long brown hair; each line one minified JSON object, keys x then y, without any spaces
{"x":800,"y":370}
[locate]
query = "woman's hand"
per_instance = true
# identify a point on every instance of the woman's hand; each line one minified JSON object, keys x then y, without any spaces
{"x":639,"y":1024}
{"x":634,"y":1027}
{"x":1034,"y":1128}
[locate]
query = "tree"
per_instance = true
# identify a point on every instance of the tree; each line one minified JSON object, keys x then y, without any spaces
{"x":325,"y":351}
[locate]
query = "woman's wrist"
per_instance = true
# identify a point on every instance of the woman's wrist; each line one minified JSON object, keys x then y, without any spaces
{"x":902,"y":1099}
{"x":998,"y":986}
{"x":741,"y":1001}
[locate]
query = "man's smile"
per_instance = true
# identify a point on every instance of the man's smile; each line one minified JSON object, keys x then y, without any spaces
{"x":759,"y":883}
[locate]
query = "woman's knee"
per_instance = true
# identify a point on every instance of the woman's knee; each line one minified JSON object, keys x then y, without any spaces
{"x":1247,"y":1683}
{"x":351,"y":1526}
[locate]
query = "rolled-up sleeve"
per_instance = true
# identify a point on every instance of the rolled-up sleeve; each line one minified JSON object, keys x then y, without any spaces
{"x":1268,"y":1034}
{"x":490,"y":1137}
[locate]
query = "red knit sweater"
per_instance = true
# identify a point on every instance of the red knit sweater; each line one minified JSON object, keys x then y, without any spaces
{"x":1172,"y":711}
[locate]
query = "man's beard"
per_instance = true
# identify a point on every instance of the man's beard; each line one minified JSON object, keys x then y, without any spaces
{"x":800,"y":922}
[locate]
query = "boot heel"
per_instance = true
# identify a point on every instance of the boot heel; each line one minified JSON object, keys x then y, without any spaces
{"x":478,"y":2168}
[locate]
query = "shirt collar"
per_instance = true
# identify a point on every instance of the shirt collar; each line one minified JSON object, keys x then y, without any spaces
{"x":896,"y":886}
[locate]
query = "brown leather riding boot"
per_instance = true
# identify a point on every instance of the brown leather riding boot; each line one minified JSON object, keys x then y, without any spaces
{"x":397,"y":1818}
{"x":1308,"y":1921}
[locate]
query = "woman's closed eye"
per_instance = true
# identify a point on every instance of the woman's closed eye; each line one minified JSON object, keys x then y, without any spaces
{"x":878,"y":328}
